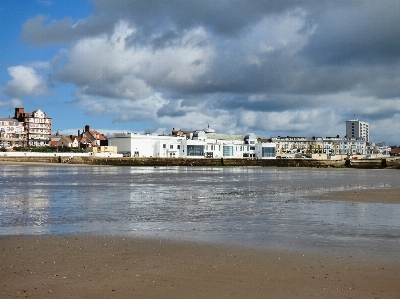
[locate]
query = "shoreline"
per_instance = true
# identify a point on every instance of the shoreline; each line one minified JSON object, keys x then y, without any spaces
{"x":123,"y":267}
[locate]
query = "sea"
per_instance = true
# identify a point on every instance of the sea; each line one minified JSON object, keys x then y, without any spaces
{"x":274,"y":208}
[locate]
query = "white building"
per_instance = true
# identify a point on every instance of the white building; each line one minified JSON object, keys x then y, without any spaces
{"x":357,"y":129}
{"x":265,"y":150}
{"x":12,"y":132}
{"x":146,"y":145}
{"x":199,"y":146}
{"x":377,"y":149}
{"x":310,"y":146}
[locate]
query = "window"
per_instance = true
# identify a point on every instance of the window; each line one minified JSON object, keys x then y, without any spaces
{"x":171,"y":146}
{"x":228,"y":151}
{"x":164,"y":146}
{"x":195,"y":150}
{"x":268,"y":152}
{"x":178,"y":146}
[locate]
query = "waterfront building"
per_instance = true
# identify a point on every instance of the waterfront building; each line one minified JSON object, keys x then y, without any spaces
{"x":146,"y":145}
{"x":37,"y":126}
{"x":12,"y":133}
{"x":197,"y":144}
{"x":375,"y":149}
{"x":357,"y":129}
{"x":293,"y":147}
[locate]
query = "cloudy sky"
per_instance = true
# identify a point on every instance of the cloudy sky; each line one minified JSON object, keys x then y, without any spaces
{"x":298,"y":68}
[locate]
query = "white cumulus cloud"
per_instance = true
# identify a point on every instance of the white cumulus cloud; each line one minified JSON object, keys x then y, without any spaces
{"x":25,"y":82}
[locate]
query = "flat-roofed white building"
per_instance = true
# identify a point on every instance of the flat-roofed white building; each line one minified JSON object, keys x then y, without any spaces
{"x":265,"y":150}
{"x":198,"y":146}
{"x":146,"y":145}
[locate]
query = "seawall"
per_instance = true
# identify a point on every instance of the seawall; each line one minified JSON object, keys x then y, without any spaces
{"x":205,"y":162}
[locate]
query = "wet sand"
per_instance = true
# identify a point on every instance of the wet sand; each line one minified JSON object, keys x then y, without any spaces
{"x":118,"y":267}
{"x":385,"y":196}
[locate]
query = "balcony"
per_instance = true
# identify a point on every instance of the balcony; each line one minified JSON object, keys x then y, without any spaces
{"x":11,"y":139}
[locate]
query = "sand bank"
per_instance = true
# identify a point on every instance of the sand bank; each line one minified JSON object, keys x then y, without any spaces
{"x":386,"y":196}
{"x":117,"y":267}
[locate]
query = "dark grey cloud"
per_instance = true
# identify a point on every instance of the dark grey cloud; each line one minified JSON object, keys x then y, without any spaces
{"x":248,"y":63}
{"x":356,"y":33}
{"x":170,"y":110}
{"x":41,"y":30}
{"x":221,"y":17}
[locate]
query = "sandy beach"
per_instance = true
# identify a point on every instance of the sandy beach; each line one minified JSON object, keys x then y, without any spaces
{"x":85,"y":266}
{"x":118,"y":267}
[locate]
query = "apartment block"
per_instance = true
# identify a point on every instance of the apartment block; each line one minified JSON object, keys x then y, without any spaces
{"x":357,"y":129}
{"x":37,"y":126}
{"x":12,"y":133}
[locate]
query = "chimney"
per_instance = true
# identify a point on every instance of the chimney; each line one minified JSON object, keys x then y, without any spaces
{"x":19,"y":112}
{"x":79,"y":133}
{"x":87,"y":128}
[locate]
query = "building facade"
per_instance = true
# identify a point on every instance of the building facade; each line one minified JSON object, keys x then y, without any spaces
{"x":37,"y":126}
{"x":291,"y":146}
{"x":357,"y":129}
{"x":198,"y":146}
{"x":12,"y":133}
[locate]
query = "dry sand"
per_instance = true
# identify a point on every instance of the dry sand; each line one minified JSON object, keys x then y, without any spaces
{"x":117,"y":267}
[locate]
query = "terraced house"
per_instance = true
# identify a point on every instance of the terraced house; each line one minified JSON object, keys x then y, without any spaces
{"x":310,"y":146}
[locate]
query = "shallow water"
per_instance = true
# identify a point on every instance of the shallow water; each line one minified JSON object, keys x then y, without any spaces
{"x":256,"y":207}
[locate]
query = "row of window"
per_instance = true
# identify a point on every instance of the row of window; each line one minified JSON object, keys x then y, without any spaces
{"x":8,"y":123}
{"x":38,"y":120}
{"x":171,"y":146}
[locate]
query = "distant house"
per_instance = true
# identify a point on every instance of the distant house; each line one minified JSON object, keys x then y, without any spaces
{"x":91,"y":138}
{"x":395,"y":151}
{"x":70,"y":141}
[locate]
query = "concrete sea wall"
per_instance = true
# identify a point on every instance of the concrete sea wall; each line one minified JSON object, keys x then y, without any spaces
{"x":93,"y":160}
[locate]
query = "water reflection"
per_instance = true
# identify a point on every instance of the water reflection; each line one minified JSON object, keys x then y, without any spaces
{"x":250,"y":206}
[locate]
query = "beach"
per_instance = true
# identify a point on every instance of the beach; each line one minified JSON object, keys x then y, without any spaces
{"x":48,"y":253}
{"x":118,"y":267}
{"x":384,"y":196}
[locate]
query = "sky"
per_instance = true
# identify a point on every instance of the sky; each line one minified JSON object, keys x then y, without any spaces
{"x":273,"y":68}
